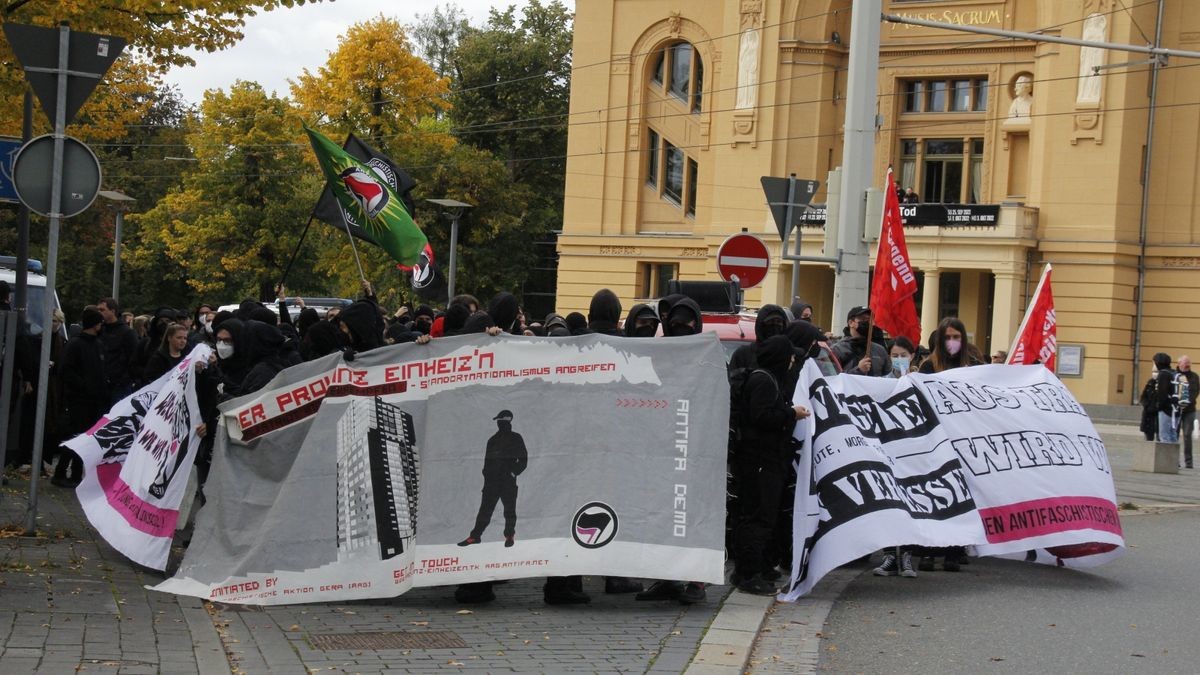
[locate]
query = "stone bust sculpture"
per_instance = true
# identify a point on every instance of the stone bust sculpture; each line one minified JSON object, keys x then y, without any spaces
{"x":1022,"y":104}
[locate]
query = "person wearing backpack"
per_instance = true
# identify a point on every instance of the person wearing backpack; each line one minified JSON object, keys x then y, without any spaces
{"x":1164,"y":384}
{"x":1187,"y":386}
{"x":760,"y":457}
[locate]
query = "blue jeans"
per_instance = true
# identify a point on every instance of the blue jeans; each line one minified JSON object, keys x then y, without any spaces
{"x":1167,"y":431}
{"x":1187,"y":422}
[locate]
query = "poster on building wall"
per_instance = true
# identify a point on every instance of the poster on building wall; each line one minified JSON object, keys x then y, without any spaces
{"x":136,"y":463}
{"x":467,"y":459}
{"x":1001,"y":459}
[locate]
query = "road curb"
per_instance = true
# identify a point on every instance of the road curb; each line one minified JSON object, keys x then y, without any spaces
{"x":726,"y":647}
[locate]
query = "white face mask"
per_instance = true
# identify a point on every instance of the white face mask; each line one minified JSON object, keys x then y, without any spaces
{"x":953,"y":347}
{"x":900,"y":364}
{"x":224,"y":350}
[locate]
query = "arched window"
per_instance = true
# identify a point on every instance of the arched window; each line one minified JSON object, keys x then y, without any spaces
{"x":679,"y":71}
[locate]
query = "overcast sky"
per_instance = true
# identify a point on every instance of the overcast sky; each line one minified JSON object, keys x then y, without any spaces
{"x":280,"y":44}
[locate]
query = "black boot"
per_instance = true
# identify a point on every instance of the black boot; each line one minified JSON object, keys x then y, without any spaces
{"x":559,"y":591}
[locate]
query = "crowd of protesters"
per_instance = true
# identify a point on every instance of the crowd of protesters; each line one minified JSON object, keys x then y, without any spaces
{"x":111,"y":353}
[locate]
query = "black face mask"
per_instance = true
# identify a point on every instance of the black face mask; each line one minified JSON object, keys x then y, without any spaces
{"x":645,"y":331}
{"x":423,"y":325}
{"x":861,"y":328}
{"x":682,"y":329}
{"x":771,"y":330}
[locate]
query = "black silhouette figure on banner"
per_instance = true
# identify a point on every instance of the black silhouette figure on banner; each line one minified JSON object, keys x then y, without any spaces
{"x":506,"y":458}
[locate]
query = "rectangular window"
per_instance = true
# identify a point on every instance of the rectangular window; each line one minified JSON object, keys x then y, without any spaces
{"x":914,"y":95}
{"x":944,"y":147}
{"x":653,"y":278}
{"x":937,"y":96}
{"x":975,"y":191}
{"x":692,"y":173}
{"x":659,"y":67}
{"x":962,"y":96}
{"x":942,"y":171}
{"x":673,"y":178}
{"x":981,"y":96}
{"x":681,"y":70}
{"x":652,"y":158}
{"x":698,"y":87}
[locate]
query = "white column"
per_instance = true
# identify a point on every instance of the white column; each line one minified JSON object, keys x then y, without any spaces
{"x":930,"y":295}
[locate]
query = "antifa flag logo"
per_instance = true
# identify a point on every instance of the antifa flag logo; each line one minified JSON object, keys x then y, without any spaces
{"x":423,"y":273}
{"x":366,"y":190}
{"x":594,"y":525}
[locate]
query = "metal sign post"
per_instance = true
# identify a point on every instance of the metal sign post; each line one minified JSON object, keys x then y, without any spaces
{"x":91,"y":55}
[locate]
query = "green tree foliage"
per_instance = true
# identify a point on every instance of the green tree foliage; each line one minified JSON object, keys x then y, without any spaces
{"x":401,"y":121}
{"x":437,"y":35}
{"x":512,"y":82}
{"x":158,"y":32}
{"x":229,"y":228}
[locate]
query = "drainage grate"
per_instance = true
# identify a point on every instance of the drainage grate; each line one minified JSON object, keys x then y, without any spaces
{"x":433,"y":639}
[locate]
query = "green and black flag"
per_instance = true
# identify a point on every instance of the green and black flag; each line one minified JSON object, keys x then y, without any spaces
{"x":330,"y":210}
{"x":363,"y":193}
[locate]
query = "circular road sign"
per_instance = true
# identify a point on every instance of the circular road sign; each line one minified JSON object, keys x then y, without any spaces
{"x":744,"y":258}
{"x":33,"y":170}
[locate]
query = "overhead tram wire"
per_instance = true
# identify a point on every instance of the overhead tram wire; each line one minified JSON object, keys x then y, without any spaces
{"x":959,"y":45}
{"x":586,"y":122}
{"x":501,"y":126}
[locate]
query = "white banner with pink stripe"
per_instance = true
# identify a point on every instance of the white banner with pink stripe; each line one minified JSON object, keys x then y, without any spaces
{"x":1000,"y":459}
{"x":137,"y":459}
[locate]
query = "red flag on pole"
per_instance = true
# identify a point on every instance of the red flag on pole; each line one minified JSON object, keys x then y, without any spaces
{"x":1037,"y":338}
{"x":895,"y":284}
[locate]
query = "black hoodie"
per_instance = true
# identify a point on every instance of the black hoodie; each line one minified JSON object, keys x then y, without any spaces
{"x":798,"y":308}
{"x":365,"y":324}
{"x":640,"y":311}
{"x":769,"y":418}
{"x":263,"y":345}
{"x":232,"y":371}
{"x":478,"y":322}
{"x":744,"y":356}
{"x":604,"y":313}
{"x":455,"y":318}
{"x":685,"y":308}
{"x":504,"y":309}
{"x":320,"y":339}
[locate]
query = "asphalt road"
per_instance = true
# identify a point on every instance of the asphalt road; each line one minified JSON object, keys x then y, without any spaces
{"x":1140,"y":613}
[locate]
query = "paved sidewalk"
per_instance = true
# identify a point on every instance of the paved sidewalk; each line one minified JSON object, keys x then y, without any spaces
{"x":71,"y":603}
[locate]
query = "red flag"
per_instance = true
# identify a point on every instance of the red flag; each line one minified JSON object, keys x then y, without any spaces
{"x":895,"y":284}
{"x":1037,"y":338}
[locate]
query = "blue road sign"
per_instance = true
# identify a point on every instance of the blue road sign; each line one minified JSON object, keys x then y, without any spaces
{"x":8,"y":152}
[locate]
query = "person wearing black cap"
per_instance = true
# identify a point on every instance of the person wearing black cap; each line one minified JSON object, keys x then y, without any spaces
{"x":506,"y":457}
{"x":85,"y":391}
{"x":851,"y":351}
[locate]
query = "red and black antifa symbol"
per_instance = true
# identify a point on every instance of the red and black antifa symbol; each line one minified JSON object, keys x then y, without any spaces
{"x":594,"y":525}
{"x":366,"y":190}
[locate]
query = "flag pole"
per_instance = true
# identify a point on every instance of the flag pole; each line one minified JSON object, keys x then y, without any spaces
{"x":1037,"y":292}
{"x":288,"y":270}
{"x":353,"y":246}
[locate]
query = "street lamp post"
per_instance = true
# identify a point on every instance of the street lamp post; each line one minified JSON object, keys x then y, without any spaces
{"x":451,"y":209}
{"x":122,"y":201}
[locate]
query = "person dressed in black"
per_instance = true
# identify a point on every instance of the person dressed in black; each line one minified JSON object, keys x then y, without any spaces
{"x":762,"y":452}
{"x":771,"y":321}
{"x":505,"y":459}
{"x":604,"y":313}
{"x":120,"y":350}
{"x":85,"y":391}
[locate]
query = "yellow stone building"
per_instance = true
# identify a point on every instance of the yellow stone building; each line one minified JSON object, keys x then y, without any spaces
{"x":678,"y":108}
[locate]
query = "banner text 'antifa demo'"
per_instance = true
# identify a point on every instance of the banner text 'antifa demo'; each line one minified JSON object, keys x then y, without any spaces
{"x":304,"y":399}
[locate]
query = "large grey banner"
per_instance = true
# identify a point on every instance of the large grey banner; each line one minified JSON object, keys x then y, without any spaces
{"x":467,"y":459}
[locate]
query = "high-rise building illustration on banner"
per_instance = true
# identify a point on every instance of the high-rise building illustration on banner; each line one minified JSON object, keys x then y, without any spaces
{"x":377,"y":481}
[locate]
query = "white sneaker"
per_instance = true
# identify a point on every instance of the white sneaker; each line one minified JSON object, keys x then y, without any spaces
{"x":888,"y":568}
{"x":906,"y":566}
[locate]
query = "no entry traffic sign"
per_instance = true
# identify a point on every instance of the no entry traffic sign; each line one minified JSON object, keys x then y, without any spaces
{"x":743,"y":257}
